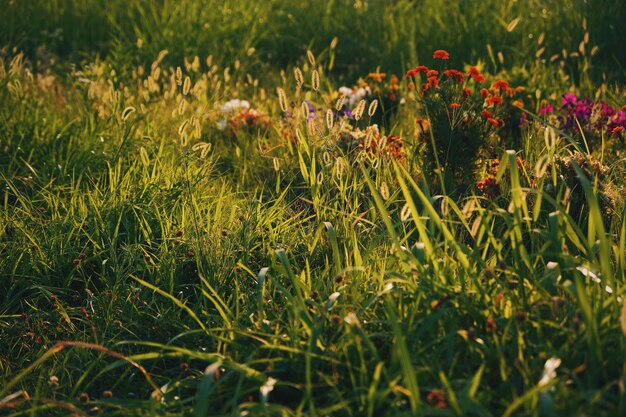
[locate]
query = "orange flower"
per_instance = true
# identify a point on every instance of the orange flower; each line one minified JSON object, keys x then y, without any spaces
{"x":452,"y":73}
{"x":476,"y":75}
{"x":437,"y":399}
{"x":484,"y":92}
{"x":433,"y":82}
{"x":617,"y":129}
{"x":493,"y":122}
{"x":417,"y":70}
{"x":377,"y":76}
{"x":467,"y":93}
{"x":494,"y":101}
{"x":454,"y":105}
{"x":432,"y":73}
{"x":501,"y":85}
{"x":441,"y":54}
{"x":486,"y":114}
{"x":518,"y":103}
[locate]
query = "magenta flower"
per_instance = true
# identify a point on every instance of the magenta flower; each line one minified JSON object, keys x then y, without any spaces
{"x":546,"y":110}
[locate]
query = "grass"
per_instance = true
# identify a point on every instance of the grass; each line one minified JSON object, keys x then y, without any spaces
{"x":416,"y":260}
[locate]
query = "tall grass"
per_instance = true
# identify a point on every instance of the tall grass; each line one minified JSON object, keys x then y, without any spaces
{"x":154,"y":264}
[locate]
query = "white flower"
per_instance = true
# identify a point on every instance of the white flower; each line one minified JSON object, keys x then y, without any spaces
{"x":233,"y":105}
{"x":221,"y":125}
{"x":549,"y":371}
{"x":267,"y":387}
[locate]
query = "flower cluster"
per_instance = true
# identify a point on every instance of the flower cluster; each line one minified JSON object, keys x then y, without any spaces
{"x":237,"y":115}
{"x":593,"y":117}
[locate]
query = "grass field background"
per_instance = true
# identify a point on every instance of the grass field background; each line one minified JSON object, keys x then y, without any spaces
{"x":193,"y":221}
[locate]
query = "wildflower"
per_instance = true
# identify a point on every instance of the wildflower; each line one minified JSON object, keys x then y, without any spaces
{"x":484,"y":93}
{"x":437,"y":399}
{"x":486,"y":114}
{"x":377,"y":76}
{"x":569,"y":100}
{"x":518,"y":103}
{"x":500,"y":85}
{"x":467,"y":93}
{"x":475,"y":74}
{"x":545,"y":110}
{"x":432,"y":73}
{"x":417,"y":70}
{"x":491,"y":325}
{"x":452,"y":73}
{"x":522,"y":121}
{"x":441,"y":54}
{"x":493,"y":121}
{"x":549,"y":371}
{"x":454,"y":105}
{"x":489,"y":187}
{"x":495,"y":101}
{"x":617,"y":129}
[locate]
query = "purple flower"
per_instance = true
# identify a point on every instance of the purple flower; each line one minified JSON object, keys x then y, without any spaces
{"x":523,"y":120}
{"x":569,"y":100}
{"x":348,"y":114}
{"x":618,"y":120}
{"x":546,"y":110}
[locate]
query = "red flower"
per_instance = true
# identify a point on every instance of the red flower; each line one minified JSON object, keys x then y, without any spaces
{"x":489,"y":187}
{"x":493,"y":122}
{"x":437,"y":399}
{"x":491,"y":325}
{"x":441,"y":54}
{"x":417,"y":70}
{"x":432,"y":73}
{"x":501,"y":85}
{"x":467,"y":93}
{"x":476,"y":75}
{"x":433,"y":82}
{"x":486,"y":114}
{"x":484,"y":92}
{"x":452,"y":73}
{"x":494,"y":101}
{"x":617,"y":129}
{"x":454,"y":105}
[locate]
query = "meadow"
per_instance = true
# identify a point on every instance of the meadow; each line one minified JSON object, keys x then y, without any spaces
{"x":312,"y":208}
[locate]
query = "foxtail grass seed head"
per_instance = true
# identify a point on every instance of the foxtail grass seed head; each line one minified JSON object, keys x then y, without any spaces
{"x":315,"y":80}
{"x":127,"y":112}
{"x":276,"y":163}
{"x":339,"y":166}
{"x":333,"y":43}
{"x":182,"y":106}
{"x":384,"y":191}
{"x":541,"y":38}
{"x":305,"y":110}
{"x":329,"y":119}
{"x":358,"y":111}
{"x":549,"y":137}
{"x":179,"y":76}
{"x":282,"y":99}
{"x":501,"y":58}
{"x":372,"y":108}
{"x":145,"y":159}
{"x":326,"y":158}
{"x":186,"y":85}
{"x":297,"y":73}
{"x":541,"y":166}
{"x":311,"y":57}
{"x":320,"y":178}
{"x":340,"y":102}
{"x":405,"y":213}
{"x":251,"y":51}
{"x":182,"y":127}
{"x":513,"y":24}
